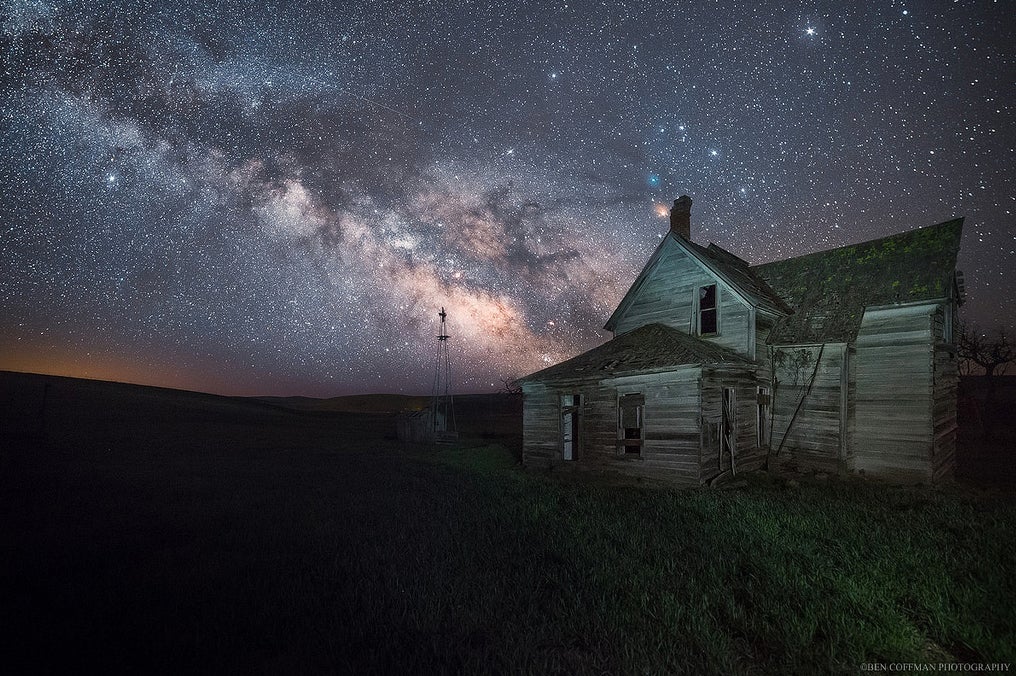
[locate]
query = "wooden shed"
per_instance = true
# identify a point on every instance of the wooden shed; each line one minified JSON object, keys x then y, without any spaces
{"x":840,"y":360}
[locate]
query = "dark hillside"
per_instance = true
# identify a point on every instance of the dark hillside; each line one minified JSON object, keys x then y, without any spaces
{"x":158,"y":531}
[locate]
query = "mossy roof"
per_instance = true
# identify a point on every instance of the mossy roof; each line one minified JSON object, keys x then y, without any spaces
{"x":647,"y":348}
{"x":829,"y":290}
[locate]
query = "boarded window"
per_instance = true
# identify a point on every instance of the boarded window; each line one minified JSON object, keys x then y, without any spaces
{"x":630,"y":423}
{"x":707,"y":309}
{"x":571,"y":405}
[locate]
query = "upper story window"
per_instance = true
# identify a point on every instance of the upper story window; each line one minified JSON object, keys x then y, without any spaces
{"x":707,"y":310}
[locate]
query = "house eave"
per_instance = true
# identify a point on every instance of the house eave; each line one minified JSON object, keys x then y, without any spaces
{"x":593,"y":377}
{"x":837,"y":343}
{"x":712,"y":269}
{"x":912,"y":303}
{"x":633,"y":290}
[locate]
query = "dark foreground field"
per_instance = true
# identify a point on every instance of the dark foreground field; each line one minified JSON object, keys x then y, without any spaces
{"x":149,"y":530}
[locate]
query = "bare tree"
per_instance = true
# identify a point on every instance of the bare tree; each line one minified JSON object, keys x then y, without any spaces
{"x":992,"y":353}
{"x":511,"y":387}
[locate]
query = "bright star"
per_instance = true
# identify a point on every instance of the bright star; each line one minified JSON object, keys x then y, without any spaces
{"x":809,"y":30}
{"x":714,"y":153}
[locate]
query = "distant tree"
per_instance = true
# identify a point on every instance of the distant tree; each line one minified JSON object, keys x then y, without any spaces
{"x":992,"y":353}
{"x":511,"y":387}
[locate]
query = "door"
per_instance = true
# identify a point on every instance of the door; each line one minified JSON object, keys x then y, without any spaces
{"x":570,"y":406}
{"x":763,"y":411}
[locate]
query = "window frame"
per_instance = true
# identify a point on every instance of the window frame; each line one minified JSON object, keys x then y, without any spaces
{"x":571,"y":408}
{"x":715,"y":309}
{"x":636,"y":402}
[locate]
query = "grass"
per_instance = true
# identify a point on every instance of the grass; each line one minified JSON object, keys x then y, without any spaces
{"x":266,"y":541}
{"x":814,"y":579}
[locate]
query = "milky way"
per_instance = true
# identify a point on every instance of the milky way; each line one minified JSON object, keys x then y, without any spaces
{"x":278,"y":198}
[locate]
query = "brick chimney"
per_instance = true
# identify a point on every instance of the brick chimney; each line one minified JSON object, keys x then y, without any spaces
{"x":680,"y":217}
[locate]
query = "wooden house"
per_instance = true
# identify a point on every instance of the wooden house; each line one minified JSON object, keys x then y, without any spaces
{"x":839,"y":361}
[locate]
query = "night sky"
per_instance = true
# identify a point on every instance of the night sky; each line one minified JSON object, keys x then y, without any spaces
{"x":278,"y":198}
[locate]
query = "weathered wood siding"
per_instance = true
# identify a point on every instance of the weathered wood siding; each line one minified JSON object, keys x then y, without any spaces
{"x":814,"y":438}
{"x":667,"y":297}
{"x":671,"y":432}
{"x":763,"y":327}
{"x":672,"y":439}
{"x":541,"y":425}
{"x":945,"y":384}
{"x":893,"y":430}
{"x":748,"y":454}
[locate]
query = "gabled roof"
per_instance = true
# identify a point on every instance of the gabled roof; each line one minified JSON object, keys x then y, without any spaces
{"x":737,"y":272}
{"x":724,"y":265}
{"x":647,"y":348}
{"x":830,"y":289}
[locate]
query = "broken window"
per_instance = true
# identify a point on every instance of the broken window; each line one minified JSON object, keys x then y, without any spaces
{"x":630,"y":423}
{"x":707,"y":309}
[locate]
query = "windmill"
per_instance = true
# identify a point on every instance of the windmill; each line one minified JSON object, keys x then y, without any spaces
{"x":442,"y":407}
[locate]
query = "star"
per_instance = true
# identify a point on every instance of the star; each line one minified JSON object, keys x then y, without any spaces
{"x":285,"y":153}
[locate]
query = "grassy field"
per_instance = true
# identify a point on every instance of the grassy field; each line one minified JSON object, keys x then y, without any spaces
{"x":150,"y":530}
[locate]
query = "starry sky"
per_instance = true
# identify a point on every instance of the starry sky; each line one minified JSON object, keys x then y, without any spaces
{"x":278,"y":198}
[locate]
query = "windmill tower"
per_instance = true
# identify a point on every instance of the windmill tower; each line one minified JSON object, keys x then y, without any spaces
{"x":442,"y":407}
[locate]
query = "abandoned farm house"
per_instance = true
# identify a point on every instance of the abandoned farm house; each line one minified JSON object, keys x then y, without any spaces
{"x":838,"y":361}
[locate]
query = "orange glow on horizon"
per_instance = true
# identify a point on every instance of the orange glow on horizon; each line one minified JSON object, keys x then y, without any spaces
{"x":120,"y":369}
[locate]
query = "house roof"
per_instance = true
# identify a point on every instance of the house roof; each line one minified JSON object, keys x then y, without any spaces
{"x":649,"y":347}
{"x":830,"y":289}
{"x":726,"y":266}
{"x":738,"y":273}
